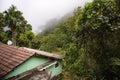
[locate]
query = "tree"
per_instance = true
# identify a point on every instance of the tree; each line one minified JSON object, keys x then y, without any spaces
{"x":99,"y":26}
{"x":26,"y":39}
{"x":16,"y":22}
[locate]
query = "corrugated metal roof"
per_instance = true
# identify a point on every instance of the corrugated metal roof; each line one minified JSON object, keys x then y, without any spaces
{"x":11,"y":57}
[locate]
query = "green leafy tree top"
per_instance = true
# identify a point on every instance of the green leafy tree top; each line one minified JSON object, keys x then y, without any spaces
{"x":15,"y":21}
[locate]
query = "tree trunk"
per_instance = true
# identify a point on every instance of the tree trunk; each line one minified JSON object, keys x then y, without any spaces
{"x":14,"y":38}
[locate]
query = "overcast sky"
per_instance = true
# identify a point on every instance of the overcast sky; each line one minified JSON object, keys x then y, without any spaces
{"x":38,"y":12}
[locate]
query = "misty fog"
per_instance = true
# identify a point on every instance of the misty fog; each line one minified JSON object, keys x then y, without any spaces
{"x":40,"y":13}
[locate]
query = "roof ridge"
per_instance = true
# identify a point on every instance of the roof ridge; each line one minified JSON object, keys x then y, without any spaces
{"x":45,"y":54}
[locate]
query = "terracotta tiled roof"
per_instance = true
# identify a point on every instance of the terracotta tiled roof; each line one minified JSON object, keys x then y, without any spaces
{"x":11,"y":57}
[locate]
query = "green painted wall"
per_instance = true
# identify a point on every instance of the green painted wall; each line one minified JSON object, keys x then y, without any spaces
{"x":29,"y":64}
{"x":55,"y":71}
{"x":32,"y":63}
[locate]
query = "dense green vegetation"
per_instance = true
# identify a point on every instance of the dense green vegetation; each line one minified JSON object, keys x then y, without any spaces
{"x":89,"y":40}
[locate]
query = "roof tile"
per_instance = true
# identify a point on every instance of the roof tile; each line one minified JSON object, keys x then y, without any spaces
{"x":11,"y":57}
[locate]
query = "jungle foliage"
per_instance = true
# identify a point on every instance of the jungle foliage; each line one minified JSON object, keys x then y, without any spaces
{"x":89,"y":39}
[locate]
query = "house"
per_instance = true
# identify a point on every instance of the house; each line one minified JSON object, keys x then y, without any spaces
{"x":20,"y":63}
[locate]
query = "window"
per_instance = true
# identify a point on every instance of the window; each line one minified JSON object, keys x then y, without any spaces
{"x":56,"y":65}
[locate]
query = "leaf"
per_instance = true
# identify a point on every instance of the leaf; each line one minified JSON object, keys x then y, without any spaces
{"x":115,"y":61}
